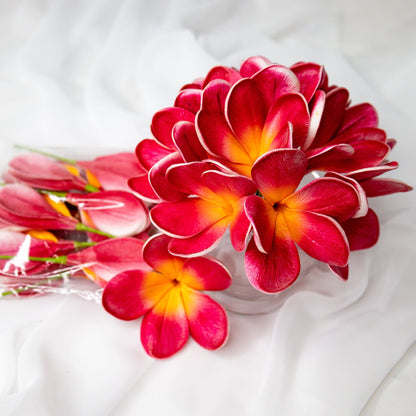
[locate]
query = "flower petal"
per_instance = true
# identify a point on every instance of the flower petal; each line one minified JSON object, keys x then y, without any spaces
{"x":277,"y":270}
{"x":263,"y":218}
{"x":252,"y":65}
{"x":387,"y":186}
{"x":362,"y":232}
{"x":222,"y":73}
{"x":186,"y":218}
{"x":289,"y":108}
{"x":158,"y":257}
{"x":164,"y":120}
{"x":318,"y":235}
{"x":278,"y":173}
{"x":318,"y":105}
{"x":328,"y":196}
{"x":157,"y":178}
{"x":273,"y":82}
{"x":187,"y":142}
{"x":189,"y":99}
{"x":132,"y":293}
{"x":240,"y":226}
{"x":214,"y":96}
{"x":357,"y":116}
{"x":201,"y":243}
{"x":246,"y":114}
{"x":208,"y":323}
{"x":367,"y":173}
{"x":141,"y":186}
{"x":341,"y":272}
{"x":165,"y":328}
{"x":205,"y":273}
{"x":334,"y":110}
{"x":309,"y":75}
{"x":149,"y":152}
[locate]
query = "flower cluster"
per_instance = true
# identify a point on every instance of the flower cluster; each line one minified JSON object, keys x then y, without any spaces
{"x":274,"y":154}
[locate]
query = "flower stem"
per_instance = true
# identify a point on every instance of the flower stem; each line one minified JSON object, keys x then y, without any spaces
{"x":51,"y":155}
{"x":82,"y":227}
{"x":32,"y":286}
{"x":56,"y":260}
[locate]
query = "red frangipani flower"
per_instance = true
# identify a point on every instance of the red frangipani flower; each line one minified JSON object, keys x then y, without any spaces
{"x":283,"y":217}
{"x":169,"y":298}
{"x":217,"y":202}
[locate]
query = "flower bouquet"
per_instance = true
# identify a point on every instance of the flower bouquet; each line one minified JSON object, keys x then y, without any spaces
{"x":267,"y":158}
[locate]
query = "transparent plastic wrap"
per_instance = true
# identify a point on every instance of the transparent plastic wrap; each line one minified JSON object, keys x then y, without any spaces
{"x":67,"y":226}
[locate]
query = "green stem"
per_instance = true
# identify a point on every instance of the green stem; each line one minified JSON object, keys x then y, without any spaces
{"x":55,"y":193}
{"x":51,"y":155}
{"x":28,"y":287}
{"x":91,"y":188}
{"x":81,"y":227}
{"x":83,"y":244}
{"x":56,"y":260}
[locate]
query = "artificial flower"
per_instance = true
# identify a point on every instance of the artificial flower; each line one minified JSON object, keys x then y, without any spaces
{"x":169,"y":299}
{"x":217,"y":202}
{"x":283,"y":218}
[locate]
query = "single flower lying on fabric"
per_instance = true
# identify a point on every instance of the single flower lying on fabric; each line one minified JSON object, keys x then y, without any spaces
{"x":237,"y":150}
{"x":168,"y":294}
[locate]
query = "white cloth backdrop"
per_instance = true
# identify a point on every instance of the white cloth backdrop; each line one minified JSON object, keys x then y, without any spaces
{"x":88,"y":75}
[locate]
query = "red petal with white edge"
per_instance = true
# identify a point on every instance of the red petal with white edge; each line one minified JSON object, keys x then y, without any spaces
{"x":187,"y":142}
{"x":380,"y":187}
{"x":186,"y":218}
{"x":218,"y":139}
{"x":309,"y":75}
{"x":318,"y":235}
{"x":214,"y":96}
{"x":205,"y":273}
{"x":201,"y":243}
{"x":158,"y":180}
{"x":132,"y":293}
{"x":357,"y":116}
{"x":362,"y":232}
{"x":113,"y":171}
{"x":189,"y":99}
{"x":252,"y":65}
{"x":367,"y":173}
{"x":336,"y":101}
{"x":23,"y":206}
{"x":240,"y":227}
{"x":328,"y":196}
{"x":318,"y":105}
{"x":164,"y":120}
{"x":341,"y":272}
{"x":246,"y":114}
{"x":290,"y":108}
{"x":228,"y":186}
{"x":40,"y":171}
{"x":165,"y":328}
{"x":208,"y":323}
{"x":367,"y":153}
{"x":157,"y":256}
{"x":263,"y":218}
{"x":103,"y":259}
{"x":222,"y":73}
{"x":362,"y":197}
{"x":278,"y":173}
{"x":362,"y":133}
{"x":275,"y":271}
{"x":149,"y":152}
{"x":142,"y":187}
{"x":186,"y":177}
{"x":275,"y":81}
{"x":115,"y":212}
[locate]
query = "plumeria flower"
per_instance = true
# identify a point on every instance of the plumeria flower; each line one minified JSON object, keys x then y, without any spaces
{"x":111,"y":172}
{"x":39,"y":171}
{"x":169,"y":299}
{"x":24,"y":207}
{"x":283,"y":218}
{"x":102,"y":261}
{"x":217,"y":202}
{"x":118,"y":213}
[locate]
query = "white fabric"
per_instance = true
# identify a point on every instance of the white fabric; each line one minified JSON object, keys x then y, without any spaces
{"x":87,"y":76}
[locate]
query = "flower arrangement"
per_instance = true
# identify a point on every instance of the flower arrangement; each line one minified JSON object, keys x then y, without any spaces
{"x":276,"y":155}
